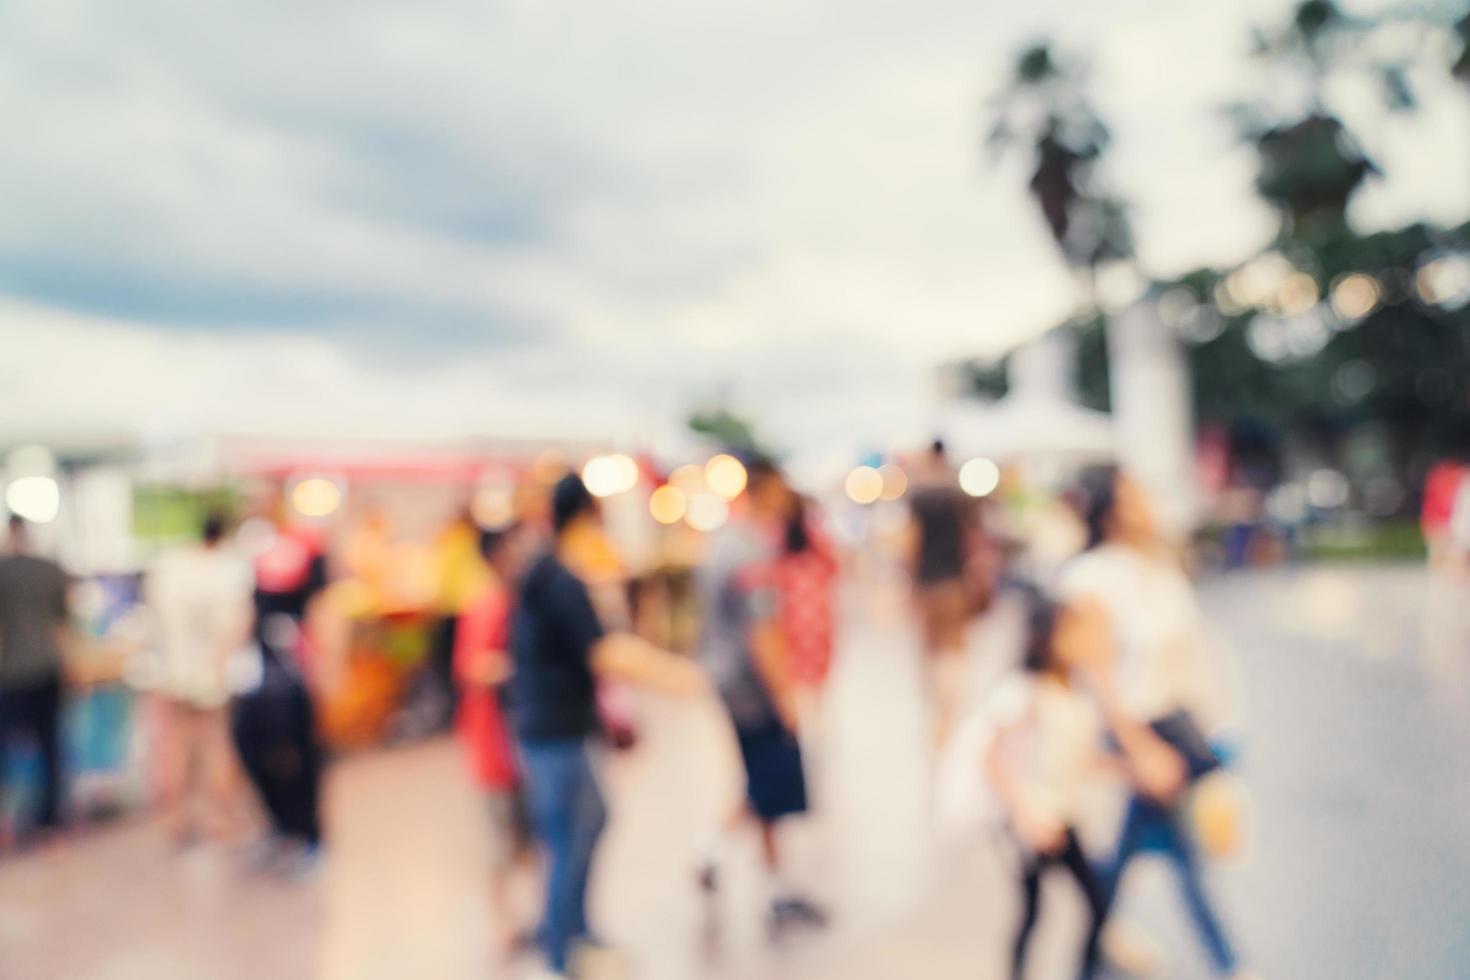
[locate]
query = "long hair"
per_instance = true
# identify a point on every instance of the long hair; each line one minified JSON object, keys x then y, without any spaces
{"x":798,"y":538}
{"x":1096,"y":499}
{"x":1042,"y":613}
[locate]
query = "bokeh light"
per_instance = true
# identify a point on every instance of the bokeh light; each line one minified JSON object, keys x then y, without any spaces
{"x":979,"y":477}
{"x":609,"y":475}
{"x":725,"y":475}
{"x":1259,"y":281}
{"x":1355,"y":295}
{"x":1297,"y":295}
{"x":667,"y":504}
{"x":494,"y":505}
{"x":864,"y":484}
{"x":35,"y":498}
{"x":1327,"y":489}
{"x":895,"y":481}
{"x":1444,"y":281}
{"x":316,"y":496}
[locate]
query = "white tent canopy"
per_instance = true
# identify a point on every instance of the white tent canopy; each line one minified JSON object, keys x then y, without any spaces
{"x":1026,"y":426}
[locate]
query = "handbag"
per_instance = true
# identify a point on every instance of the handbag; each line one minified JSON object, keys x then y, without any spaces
{"x":1183,"y":735}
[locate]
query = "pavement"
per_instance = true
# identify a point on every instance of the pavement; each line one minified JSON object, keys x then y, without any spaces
{"x":1355,"y":749}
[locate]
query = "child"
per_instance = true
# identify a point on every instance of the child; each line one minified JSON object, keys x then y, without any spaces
{"x":1046,"y":739}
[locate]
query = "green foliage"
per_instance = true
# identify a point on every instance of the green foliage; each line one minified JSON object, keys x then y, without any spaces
{"x":1310,"y":162}
{"x":1397,"y":540}
{"x":1460,"y":68}
{"x":1309,"y":171}
{"x":164,"y":513}
{"x":987,"y":378}
{"x":1036,"y":65}
{"x":725,"y":428}
{"x":1402,"y":370}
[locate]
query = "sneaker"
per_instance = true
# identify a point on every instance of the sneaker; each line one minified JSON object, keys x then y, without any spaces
{"x":796,"y":911}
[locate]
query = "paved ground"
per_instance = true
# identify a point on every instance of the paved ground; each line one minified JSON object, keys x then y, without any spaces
{"x":1357,"y":754}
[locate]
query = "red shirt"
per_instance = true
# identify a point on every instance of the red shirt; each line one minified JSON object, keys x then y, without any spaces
{"x":1441,"y":487}
{"x":484,"y":625}
{"x":804,"y":582}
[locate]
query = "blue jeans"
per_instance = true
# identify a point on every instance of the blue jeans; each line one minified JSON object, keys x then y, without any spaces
{"x":568,"y":814}
{"x":1151,"y":827}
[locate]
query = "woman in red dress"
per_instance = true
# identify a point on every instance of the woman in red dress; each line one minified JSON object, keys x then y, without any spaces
{"x":481,"y":667}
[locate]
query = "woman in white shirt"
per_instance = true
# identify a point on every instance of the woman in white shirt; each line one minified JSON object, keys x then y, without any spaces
{"x":1136,"y":607}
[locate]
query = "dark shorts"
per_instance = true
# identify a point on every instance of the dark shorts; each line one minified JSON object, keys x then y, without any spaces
{"x":775,"y":785}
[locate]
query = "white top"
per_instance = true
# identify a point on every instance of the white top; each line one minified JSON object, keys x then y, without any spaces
{"x":1051,"y":734}
{"x":201,"y":599}
{"x":1162,"y":661}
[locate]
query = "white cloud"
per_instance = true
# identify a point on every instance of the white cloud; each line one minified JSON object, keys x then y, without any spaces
{"x":455,"y":211}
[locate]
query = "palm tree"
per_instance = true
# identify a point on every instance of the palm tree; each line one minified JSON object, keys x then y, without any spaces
{"x":1044,"y":110}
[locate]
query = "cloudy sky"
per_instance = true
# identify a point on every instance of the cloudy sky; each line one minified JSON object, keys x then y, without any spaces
{"x":534,"y":215}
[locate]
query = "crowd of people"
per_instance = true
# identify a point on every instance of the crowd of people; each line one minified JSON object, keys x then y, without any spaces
{"x":1115,"y":676}
{"x":1114,"y":680}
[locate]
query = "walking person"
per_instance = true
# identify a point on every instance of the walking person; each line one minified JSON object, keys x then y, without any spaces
{"x":742,"y":646}
{"x":1046,"y":739}
{"x":943,"y":520}
{"x":33,"y":627}
{"x":559,"y":650}
{"x":200,"y":598}
{"x":1154,"y":682}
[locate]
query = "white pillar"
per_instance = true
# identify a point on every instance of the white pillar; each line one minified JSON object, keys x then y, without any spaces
{"x":1152,"y":416}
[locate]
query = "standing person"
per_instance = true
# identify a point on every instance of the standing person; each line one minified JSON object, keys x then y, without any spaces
{"x":274,"y":723}
{"x":741,"y":645}
{"x":943,"y":519}
{"x":559,"y":648}
{"x":806,"y":573}
{"x":1047,"y":736}
{"x":200,"y":597}
{"x":482,"y":668}
{"x":1446,"y":487}
{"x":460,"y":573}
{"x":1445,"y":521}
{"x":33,"y":625}
{"x":1159,"y":698}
